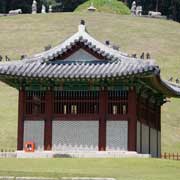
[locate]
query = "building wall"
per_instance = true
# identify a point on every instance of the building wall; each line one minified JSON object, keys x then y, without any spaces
{"x":34,"y":132}
{"x":112,"y":134}
{"x":138,"y":145}
{"x":75,"y":135}
{"x":153,"y":142}
{"x":159,"y":144}
{"x":117,"y":135}
{"x":145,"y":139}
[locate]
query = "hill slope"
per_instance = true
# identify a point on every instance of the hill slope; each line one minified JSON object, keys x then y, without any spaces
{"x":28,"y":34}
{"x":108,"y":6}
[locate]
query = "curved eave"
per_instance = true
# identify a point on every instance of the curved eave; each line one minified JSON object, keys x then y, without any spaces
{"x":165,"y":87}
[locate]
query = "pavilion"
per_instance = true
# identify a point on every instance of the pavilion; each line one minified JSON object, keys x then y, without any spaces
{"x":83,"y":95}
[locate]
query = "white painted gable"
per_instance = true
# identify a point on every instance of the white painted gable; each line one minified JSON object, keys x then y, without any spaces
{"x":81,"y":55}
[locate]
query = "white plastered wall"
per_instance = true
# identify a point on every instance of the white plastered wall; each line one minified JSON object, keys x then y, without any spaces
{"x":75,"y":135}
{"x":34,"y":132}
{"x":117,"y":135}
{"x":138,"y":140}
{"x":145,"y":139}
{"x":159,"y":144}
{"x":81,"y":55}
{"x":153,"y":142}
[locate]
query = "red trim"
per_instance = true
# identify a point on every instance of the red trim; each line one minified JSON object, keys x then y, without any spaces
{"x":87,"y":117}
{"x":132,"y":123}
{"x":20,"y":120}
{"x":48,"y":122}
{"x":34,"y":117}
{"x":117,"y":117}
{"x":103,"y":108}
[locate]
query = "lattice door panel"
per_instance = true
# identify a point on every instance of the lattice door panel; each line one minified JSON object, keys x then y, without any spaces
{"x":116,"y":135}
{"x":75,"y":135}
{"x":34,"y":131}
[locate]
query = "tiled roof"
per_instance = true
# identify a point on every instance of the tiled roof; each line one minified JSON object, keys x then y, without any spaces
{"x":115,"y":64}
{"x":93,"y":69}
{"x":83,"y":37}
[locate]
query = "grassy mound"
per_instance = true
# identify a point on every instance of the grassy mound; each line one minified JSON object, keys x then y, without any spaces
{"x":107,"y":6}
{"x":28,"y":34}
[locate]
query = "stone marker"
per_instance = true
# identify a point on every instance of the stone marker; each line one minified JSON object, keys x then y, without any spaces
{"x":136,"y":10}
{"x":154,"y":14}
{"x":43,"y":10}
{"x":50,"y":8}
{"x":34,"y":7}
{"x":139,"y":11}
{"x":15,"y":12}
{"x":133,"y":8}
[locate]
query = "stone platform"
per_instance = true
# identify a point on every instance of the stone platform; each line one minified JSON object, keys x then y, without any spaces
{"x":80,"y":154}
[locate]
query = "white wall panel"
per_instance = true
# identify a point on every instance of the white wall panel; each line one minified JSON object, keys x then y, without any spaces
{"x":159,"y":144}
{"x":138,"y":137}
{"x":75,"y":135}
{"x":34,"y":131}
{"x":117,"y":135}
{"x":81,"y":55}
{"x":153,"y":142}
{"x":145,"y":139}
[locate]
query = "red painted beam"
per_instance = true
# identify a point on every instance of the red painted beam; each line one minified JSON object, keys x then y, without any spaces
{"x":20,"y":120}
{"x":132,"y":122}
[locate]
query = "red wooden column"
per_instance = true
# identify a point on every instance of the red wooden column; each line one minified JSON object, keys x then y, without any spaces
{"x":20,"y":120}
{"x":48,"y":122}
{"x":158,"y":111}
{"x":132,"y":122}
{"x":103,"y":107}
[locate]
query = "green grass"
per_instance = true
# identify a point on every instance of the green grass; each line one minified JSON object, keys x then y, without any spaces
{"x":126,"y":169}
{"x":108,"y":6}
{"x":28,"y":34}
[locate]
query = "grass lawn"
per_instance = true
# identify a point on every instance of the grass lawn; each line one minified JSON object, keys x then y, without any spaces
{"x":28,"y":34}
{"x":122,"y":169}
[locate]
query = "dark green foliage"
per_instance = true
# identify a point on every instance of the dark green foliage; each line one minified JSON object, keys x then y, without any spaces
{"x":170,"y":8}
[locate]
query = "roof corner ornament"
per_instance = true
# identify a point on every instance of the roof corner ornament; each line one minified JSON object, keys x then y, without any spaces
{"x":82,"y":26}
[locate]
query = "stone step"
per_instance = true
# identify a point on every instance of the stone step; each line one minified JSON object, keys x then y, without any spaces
{"x":81,"y":154}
